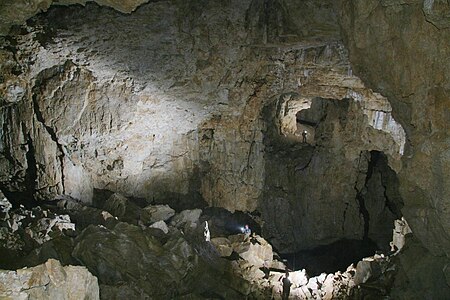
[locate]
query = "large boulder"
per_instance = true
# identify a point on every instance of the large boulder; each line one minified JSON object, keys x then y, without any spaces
{"x":256,"y":250}
{"x":49,"y":281}
{"x":223,"y":246}
{"x":187,"y":219}
{"x":125,"y":210}
{"x":159,"y":212}
{"x":160,"y":225}
{"x":134,"y":260}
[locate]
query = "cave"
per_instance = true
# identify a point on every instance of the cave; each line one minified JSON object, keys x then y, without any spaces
{"x":138,"y":138}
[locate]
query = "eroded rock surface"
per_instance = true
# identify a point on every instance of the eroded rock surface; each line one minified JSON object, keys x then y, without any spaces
{"x":17,"y":12}
{"x":414,"y":74}
{"x":49,"y":281}
{"x":203,"y":103}
{"x":170,"y":107}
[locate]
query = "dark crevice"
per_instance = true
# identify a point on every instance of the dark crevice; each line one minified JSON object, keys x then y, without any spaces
{"x":345,"y":214}
{"x":365,"y":213}
{"x":53,"y":136}
{"x":31,"y":175}
{"x":389,"y":181}
{"x":360,"y":198}
{"x":26,"y":196}
{"x":304,"y":122}
{"x":7,"y":148}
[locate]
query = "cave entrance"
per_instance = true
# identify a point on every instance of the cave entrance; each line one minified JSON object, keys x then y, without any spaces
{"x":308,"y":119}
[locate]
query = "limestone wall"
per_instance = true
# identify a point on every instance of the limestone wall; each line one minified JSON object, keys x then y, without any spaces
{"x":182,"y":103}
{"x":402,"y":50}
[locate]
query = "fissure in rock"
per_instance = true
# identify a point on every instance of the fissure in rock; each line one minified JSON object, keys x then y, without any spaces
{"x":53,"y":136}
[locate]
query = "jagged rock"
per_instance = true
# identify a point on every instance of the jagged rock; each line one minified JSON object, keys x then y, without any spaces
{"x":125,"y":210}
{"x":363,"y":272}
{"x":328,"y":287}
{"x":401,"y":229}
{"x":49,"y":281}
{"x":255,"y":250}
{"x":159,"y":212}
{"x":33,"y":224}
{"x":89,"y":215}
{"x":298,"y":278}
{"x":5,"y":207}
{"x":418,"y":100}
{"x":223,"y":246}
{"x":28,"y":9}
{"x":276,"y":264}
{"x":187,"y":219}
{"x":160,"y":225}
{"x":132,"y":257}
{"x":67,"y":202}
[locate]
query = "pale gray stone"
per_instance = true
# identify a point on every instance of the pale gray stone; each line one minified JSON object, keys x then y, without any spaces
{"x":159,"y":212}
{"x":160,"y":225}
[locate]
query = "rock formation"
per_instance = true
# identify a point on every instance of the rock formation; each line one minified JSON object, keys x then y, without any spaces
{"x":195,"y":115}
{"x":326,"y":120}
{"x":49,"y":281}
{"x":409,"y":64}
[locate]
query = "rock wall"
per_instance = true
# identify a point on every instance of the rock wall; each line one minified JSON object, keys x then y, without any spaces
{"x":401,"y":49}
{"x":177,"y":104}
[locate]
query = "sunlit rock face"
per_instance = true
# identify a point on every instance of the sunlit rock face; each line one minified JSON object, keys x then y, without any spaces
{"x":402,"y":50}
{"x":201,"y":103}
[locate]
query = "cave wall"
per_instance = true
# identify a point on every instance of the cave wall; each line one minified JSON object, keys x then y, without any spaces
{"x":134,"y":110}
{"x":401,"y":49}
{"x":325,"y":190}
{"x":177,"y":103}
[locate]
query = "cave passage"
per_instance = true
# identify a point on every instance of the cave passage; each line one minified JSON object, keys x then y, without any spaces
{"x":330,"y":258}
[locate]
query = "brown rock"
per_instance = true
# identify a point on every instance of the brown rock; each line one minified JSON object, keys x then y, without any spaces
{"x":49,"y":281}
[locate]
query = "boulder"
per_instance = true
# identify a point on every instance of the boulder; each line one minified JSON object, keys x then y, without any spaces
{"x":160,"y":225}
{"x":401,"y":229}
{"x":49,"y":281}
{"x":278,"y":265}
{"x":159,"y":212}
{"x":125,"y":210}
{"x":132,"y":259}
{"x":255,"y":250}
{"x":67,"y":202}
{"x":223,"y":246}
{"x":328,"y":287}
{"x":298,"y":278}
{"x":363,"y":271}
{"x":187,"y":219}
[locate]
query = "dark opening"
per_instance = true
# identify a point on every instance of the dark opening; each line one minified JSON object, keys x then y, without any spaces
{"x":330,"y":258}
